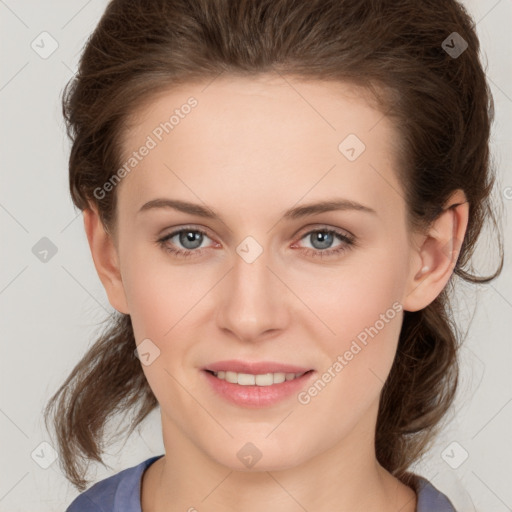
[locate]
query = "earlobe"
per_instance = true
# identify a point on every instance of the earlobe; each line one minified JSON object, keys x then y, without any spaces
{"x":106,"y":260}
{"x":436,"y":256}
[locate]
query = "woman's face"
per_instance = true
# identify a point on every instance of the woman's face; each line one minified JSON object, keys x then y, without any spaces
{"x":269,"y":283}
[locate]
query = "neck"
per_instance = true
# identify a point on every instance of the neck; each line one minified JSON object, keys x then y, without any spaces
{"x":345,"y":478}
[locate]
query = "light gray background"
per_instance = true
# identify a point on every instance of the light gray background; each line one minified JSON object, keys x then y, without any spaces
{"x":51,"y":311}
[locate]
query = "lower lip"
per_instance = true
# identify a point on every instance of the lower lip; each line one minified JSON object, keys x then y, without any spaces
{"x":257,"y":396}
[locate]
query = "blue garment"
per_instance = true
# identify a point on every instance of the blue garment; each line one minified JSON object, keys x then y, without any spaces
{"x":121,"y":493}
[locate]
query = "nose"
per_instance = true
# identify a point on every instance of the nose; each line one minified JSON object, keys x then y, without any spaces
{"x":253,"y":299}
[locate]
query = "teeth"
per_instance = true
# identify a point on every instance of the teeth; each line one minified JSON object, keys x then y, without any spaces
{"x":248,"y":379}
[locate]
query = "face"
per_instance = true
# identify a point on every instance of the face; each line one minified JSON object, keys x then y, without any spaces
{"x":236,"y":284}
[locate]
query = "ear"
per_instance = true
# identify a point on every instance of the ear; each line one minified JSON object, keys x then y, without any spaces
{"x":435,"y":254}
{"x":106,"y":260}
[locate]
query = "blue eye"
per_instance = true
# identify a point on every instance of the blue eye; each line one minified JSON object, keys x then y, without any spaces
{"x":192,"y":239}
{"x":325,"y":238}
{"x":189,"y":238}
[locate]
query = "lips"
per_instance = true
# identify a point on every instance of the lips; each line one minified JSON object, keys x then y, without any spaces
{"x":255,"y":368}
{"x":256,"y":386}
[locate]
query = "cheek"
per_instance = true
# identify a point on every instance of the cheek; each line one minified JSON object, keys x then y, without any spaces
{"x":359,"y":305}
{"x":158,"y":293}
{"x":151,"y":310}
{"x":363,"y":293}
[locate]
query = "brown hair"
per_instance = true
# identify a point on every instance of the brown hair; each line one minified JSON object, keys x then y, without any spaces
{"x":441,"y":106}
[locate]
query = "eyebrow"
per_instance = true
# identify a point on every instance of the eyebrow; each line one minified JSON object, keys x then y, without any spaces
{"x":296,"y":212}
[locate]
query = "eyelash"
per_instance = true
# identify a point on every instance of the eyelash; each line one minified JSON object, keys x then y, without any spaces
{"x":348,"y":243}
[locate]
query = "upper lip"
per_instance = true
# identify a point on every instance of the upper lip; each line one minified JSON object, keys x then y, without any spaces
{"x":255,"y":368}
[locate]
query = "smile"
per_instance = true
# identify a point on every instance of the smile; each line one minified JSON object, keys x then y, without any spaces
{"x":249,"y":379}
{"x":256,"y":390}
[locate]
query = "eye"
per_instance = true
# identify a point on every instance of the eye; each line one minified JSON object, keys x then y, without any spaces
{"x":323,"y":238}
{"x":190,"y":238}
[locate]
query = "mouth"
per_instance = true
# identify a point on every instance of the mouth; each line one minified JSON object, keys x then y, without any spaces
{"x":260,"y":379}
{"x":256,"y":384}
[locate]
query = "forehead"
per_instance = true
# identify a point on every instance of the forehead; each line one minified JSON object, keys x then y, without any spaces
{"x":269,"y":137}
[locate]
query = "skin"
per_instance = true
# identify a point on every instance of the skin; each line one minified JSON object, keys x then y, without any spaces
{"x":250,"y":150}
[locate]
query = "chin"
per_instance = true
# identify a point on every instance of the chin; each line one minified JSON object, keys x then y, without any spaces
{"x":253,"y":453}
